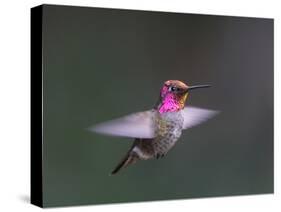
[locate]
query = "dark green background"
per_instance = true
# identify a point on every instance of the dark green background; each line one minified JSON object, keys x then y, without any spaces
{"x":100,"y":64}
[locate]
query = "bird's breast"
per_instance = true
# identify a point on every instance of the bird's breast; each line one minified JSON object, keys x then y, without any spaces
{"x":168,"y":123}
{"x":168,"y":128}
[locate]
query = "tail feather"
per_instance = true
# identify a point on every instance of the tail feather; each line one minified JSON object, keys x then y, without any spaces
{"x":129,"y":159}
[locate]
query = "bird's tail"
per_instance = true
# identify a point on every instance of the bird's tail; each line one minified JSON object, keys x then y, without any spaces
{"x":127,"y":160}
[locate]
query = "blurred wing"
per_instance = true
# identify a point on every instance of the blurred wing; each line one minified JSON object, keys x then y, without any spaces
{"x":137,"y":125}
{"x":194,"y":116}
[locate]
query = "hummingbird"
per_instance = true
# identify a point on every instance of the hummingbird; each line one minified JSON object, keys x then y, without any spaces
{"x":156,"y":131}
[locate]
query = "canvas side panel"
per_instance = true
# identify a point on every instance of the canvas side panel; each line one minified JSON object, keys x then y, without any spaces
{"x":36,"y":106}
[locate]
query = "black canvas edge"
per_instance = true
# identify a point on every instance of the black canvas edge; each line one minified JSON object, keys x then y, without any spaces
{"x":156,"y":11}
{"x":36,"y":189}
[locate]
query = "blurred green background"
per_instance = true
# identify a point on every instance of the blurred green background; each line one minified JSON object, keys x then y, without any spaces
{"x":99,"y":64}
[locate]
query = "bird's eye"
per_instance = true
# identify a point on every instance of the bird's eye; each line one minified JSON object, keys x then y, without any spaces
{"x":172,"y":88}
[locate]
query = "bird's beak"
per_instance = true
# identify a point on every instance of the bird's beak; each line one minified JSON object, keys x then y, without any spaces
{"x":197,"y":86}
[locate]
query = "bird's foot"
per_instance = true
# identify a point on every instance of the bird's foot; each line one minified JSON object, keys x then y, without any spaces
{"x":160,"y":155}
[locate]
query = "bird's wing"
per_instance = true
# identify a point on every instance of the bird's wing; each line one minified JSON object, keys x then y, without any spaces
{"x":136,"y":125}
{"x":194,"y":116}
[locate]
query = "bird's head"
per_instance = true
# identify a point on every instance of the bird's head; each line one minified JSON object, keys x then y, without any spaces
{"x":173,"y":95}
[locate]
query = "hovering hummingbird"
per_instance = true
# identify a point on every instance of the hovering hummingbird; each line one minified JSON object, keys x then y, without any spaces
{"x":156,"y":131}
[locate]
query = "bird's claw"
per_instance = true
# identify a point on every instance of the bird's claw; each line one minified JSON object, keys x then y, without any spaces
{"x":160,"y":155}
